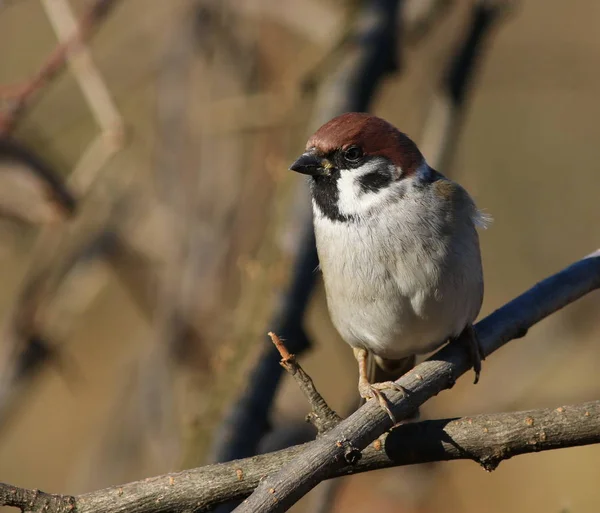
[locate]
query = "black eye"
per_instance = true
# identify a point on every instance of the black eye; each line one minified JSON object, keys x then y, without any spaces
{"x":353,"y":154}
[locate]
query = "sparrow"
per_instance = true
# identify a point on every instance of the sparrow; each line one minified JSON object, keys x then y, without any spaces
{"x":397,"y":244}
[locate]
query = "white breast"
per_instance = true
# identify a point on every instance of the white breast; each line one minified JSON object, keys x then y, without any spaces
{"x":403,"y":281}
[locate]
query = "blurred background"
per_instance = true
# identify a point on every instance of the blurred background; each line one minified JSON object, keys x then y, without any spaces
{"x":150,"y":233}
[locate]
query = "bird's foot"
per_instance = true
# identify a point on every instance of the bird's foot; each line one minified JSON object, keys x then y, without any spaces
{"x":374,"y":391}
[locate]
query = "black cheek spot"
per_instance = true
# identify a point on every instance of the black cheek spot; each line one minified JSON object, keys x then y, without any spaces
{"x":373,"y":182}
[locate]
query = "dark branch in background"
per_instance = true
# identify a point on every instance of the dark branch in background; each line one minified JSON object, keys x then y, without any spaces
{"x":444,"y":122}
{"x":461,"y":72}
{"x":14,"y":151}
{"x":279,"y":491}
{"x":487,"y":439}
{"x":17,"y":98}
{"x":31,"y":349}
{"x":370,"y":55}
{"x":248,"y":420}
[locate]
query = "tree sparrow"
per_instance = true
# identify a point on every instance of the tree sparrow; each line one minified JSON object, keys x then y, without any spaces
{"x":397,"y":246}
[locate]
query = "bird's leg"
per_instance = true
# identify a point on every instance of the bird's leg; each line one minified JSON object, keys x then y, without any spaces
{"x":469,"y":338}
{"x":368,"y":390}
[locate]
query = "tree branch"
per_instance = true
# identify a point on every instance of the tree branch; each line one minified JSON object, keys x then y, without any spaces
{"x":321,"y":416}
{"x":487,"y":439}
{"x":279,"y":491}
{"x":12,"y":151}
{"x":35,"y":500}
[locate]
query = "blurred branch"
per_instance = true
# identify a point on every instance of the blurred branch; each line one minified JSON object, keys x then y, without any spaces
{"x":26,"y":344}
{"x":17,"y":98}
{"x":443,"y":123}
{"x":26,"y":160}
{"x":26,"y":348}
{"x":421,"y":16}
{"x":94,"y":90}
{"x":429,"y":378}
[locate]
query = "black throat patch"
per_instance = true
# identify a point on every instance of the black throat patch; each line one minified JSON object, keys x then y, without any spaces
{"x":326,"y":195}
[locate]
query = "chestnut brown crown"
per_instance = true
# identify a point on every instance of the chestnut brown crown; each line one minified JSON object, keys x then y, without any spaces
{"x":373,"y":135}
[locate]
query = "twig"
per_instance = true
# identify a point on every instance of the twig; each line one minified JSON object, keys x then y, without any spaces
{"x":429,"y":378}
{"x":322,"y":416}
{"x":486,"y":439}
{"x":81,"y":64}
{"x":96,"y":94}
{"x":19,"y":97}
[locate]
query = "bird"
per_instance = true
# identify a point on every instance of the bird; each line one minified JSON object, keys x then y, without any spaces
{"x":398,"y":248}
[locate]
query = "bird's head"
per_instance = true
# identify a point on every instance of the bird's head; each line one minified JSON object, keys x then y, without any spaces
{"x":357,"y":162}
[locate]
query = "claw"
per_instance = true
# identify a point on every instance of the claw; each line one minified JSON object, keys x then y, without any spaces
{"x":374,"y":390}
{"x":368,"y":390}
{"x":389,"y":385}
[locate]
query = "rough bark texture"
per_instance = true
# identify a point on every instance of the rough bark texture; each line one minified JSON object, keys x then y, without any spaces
{"x":487,"y":439}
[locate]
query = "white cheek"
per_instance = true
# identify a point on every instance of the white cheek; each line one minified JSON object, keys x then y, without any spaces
{"x":352,"y":200}
{"x":349,"y":193}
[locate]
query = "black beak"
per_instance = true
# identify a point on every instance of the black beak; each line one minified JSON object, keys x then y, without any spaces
{"x":310,"y":164}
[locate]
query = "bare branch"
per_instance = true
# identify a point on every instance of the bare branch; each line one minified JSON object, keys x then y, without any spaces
{"x":487,"y":439}
{"x":35,"y":500}
{"x":322,"y":416}
{"x":429,"y":378}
